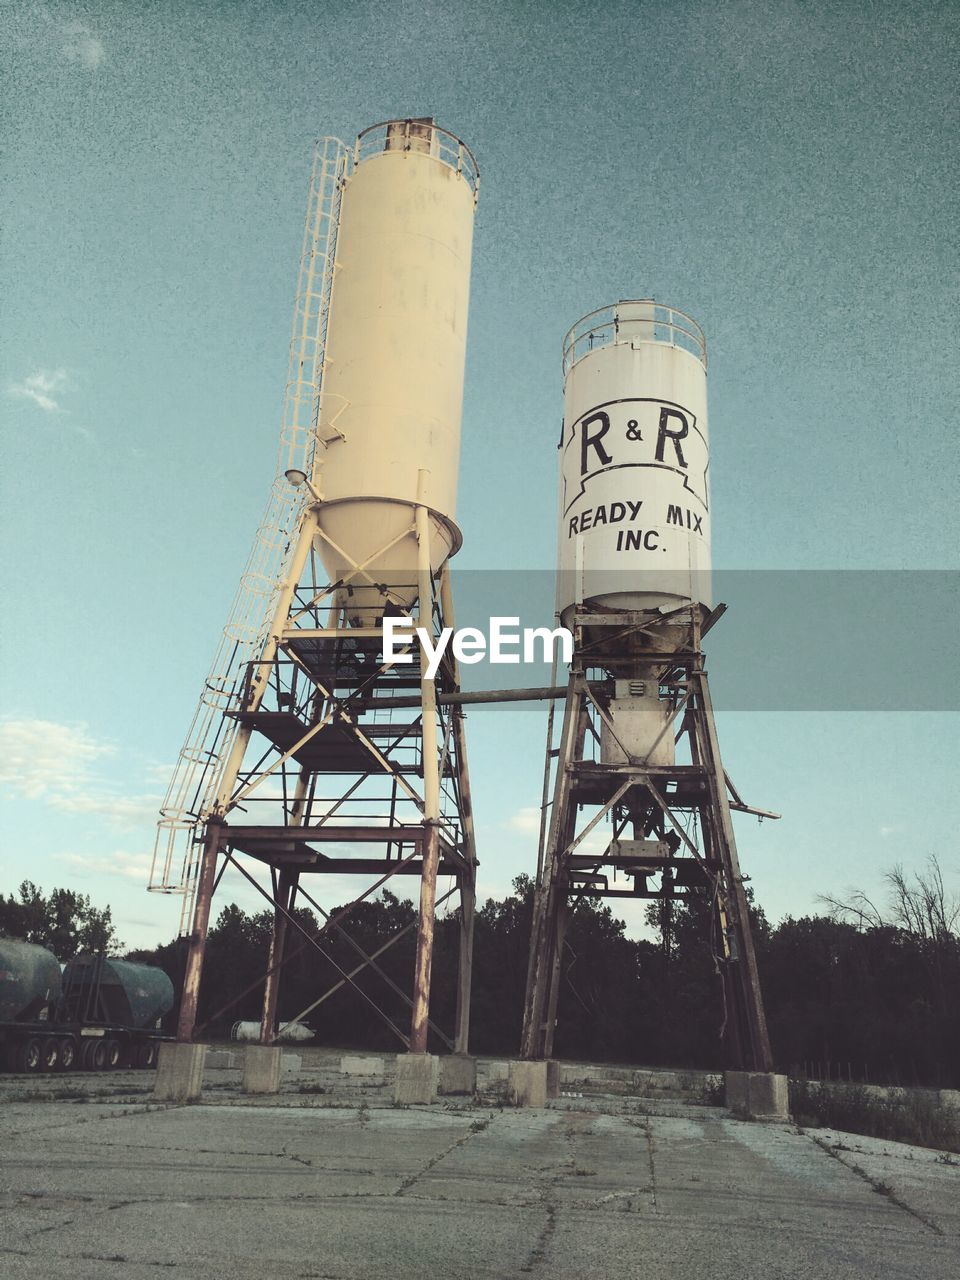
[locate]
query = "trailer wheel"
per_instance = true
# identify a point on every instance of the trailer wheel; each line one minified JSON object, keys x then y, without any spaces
{"x":147,"y":1055}
{"x":29,"y":1055}
{"x":94,"y":1055}
{"x":51,"y":1053}
{"x":69,"y":1052}
{"x":112,"y":1055}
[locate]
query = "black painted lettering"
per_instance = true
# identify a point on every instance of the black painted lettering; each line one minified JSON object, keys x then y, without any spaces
{"x":651,"y":540}
{"x":573,"y":526}
{"x":634,"y":540}
{"x":634,"y":508}
{"x":590,"y":441}
{"x":664,"y":433}
{"x":674,"y":514}
{"x":586,"y":520}
{"x":698,"y":524}
{"x":617,"y":512}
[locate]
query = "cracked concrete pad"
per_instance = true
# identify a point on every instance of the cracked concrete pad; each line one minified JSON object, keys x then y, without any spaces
{"x":243,"y":1191}
{"x":926,"y":1181}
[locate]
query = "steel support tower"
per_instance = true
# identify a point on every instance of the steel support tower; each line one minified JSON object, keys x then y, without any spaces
{"x":670,"y":824}
{"x":320,"y":780}
{"x":309,"y":754}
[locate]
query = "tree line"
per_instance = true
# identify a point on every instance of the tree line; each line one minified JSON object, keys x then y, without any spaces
{"x":858,"y":992}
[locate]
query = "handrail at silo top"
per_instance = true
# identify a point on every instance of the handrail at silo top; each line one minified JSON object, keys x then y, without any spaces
{"x":632,"y":320}
{"x":445,"y":147}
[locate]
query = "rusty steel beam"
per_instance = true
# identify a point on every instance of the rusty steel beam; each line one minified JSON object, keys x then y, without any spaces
{"x":362,"y":866}
{"x":468,"y":876}
{"x":756,"y":1049}
{"x":423,"y":965}
{"x":344,"y":835}
{"x":286,"y":893}
{"x":187,"y":1017}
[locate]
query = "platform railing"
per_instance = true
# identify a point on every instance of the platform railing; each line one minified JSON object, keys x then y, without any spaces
{"x":420,"y":135}
{"x":642,"y":320}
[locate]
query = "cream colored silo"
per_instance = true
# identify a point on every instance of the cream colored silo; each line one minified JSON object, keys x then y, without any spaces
{"x":392,"y":382}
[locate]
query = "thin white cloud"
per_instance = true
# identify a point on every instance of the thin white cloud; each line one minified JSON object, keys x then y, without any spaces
{"x":526,"y":820}
{"x":159,"y":774}
{"x":55,"y":763}
{"x":40,"y":758}
{"x":130,"y":866}
{"x":125,"y":811}
{"x":80,"y":45}
{"x":33,"y":31}
{"x":43,"y":388}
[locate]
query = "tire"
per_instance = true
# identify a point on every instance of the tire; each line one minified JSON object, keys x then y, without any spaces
{"x":94,"y":1056}
{"x":113,"y":1055}
{"x":69,"y":1054}
{"x":51,"y":1053}
{"x":28,"y":1055}
{"x":147,"y":1055}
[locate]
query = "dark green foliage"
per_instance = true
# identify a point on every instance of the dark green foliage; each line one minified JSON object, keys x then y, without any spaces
{"x":66,"y":922}
{"x":866,"y":1000}
{"x":501,"y":942}
{"x":864,"y":1003}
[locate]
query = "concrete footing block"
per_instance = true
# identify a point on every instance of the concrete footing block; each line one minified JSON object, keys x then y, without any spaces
{"x":757,"y":1095}
{"x":179,"y":1072}
{"x":261,"y":1068}
{"x":356,"y":1065}
{"x":222,"y":1060}
{"x":458,"y":1074}
{"x":532,"y":1084}
{"x":416,"y":1079}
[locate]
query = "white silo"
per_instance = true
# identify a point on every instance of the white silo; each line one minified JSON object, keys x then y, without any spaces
{"x":634,"y":499}
{"x":637,"y":747}
{"x":392,"y":384}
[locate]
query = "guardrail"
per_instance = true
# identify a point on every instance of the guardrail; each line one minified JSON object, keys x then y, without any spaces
{"x":641,"y":320}
{"x":419,"y":135}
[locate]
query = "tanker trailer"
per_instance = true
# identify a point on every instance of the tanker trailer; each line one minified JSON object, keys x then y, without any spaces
{"x":99,"y":1014}
{"x":118,"y":1006}
{"x":29,"y":991}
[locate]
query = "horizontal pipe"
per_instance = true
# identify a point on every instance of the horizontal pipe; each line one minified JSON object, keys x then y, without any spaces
{"x":489,"y":695}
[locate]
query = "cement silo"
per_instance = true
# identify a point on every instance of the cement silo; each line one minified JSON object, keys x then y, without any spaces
{"x":634,"y":501}
{"x":634,"y":497}
{"x":321,"y":752}
{"x":392,"y":387}
{"x":637,"y":755}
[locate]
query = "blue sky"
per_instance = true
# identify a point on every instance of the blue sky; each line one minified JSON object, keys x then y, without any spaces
{"x":786,"y":173}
